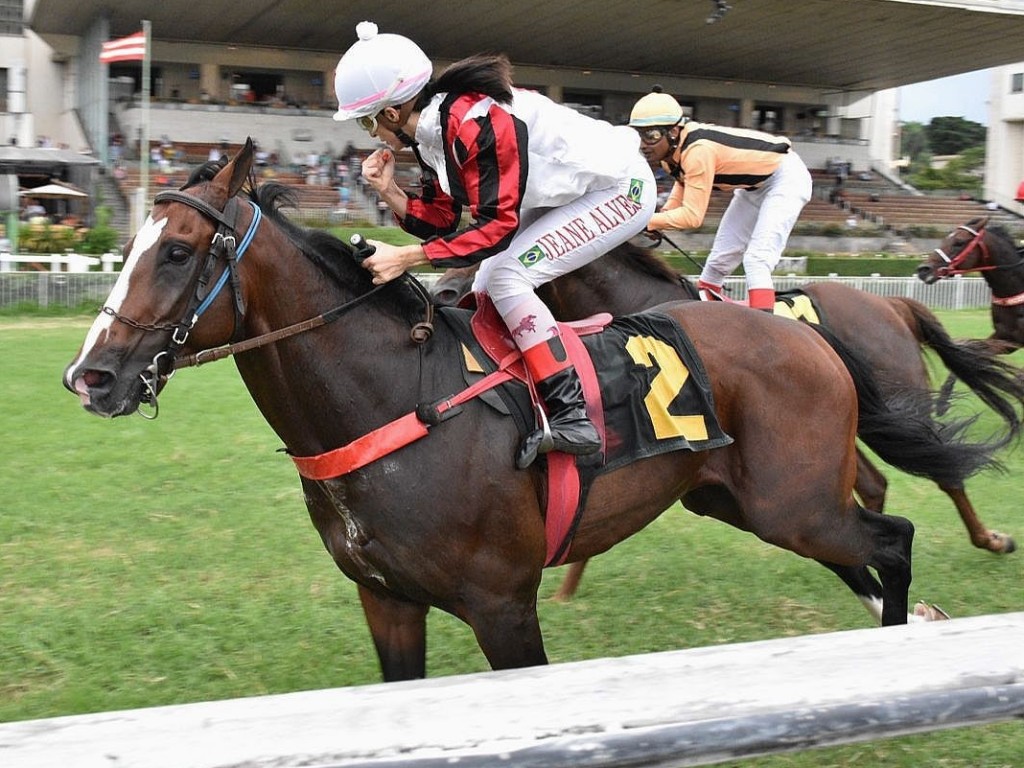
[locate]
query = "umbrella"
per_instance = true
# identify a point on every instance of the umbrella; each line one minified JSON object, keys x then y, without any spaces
{"x":53,"y":192}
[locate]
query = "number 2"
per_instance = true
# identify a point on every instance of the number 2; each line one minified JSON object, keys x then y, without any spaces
{"x":667,"y":385}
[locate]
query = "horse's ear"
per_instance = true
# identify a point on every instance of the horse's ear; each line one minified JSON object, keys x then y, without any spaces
{"x":229,"y":180}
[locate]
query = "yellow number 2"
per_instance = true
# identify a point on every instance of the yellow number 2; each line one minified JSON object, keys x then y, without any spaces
{"x":667,"y":385}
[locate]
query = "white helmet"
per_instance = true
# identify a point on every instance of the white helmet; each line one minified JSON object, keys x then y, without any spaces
{"x":378,"y":71}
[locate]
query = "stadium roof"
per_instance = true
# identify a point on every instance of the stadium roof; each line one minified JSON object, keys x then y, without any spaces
{"x":845,"y":45}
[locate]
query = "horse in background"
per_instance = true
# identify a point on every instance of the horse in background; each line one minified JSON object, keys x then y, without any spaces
{"x":991,"y":252}
{"x":890,"y":333}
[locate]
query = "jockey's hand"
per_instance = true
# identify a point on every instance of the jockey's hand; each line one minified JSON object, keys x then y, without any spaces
{"x":653,"y":235}
{"x":390,"y":261}
{"x":379,"y":169}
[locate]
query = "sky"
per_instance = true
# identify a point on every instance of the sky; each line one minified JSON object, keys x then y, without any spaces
{"x":963,"y":96}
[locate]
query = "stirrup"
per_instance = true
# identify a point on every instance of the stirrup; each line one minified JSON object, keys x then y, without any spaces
{"x":537,"y":442}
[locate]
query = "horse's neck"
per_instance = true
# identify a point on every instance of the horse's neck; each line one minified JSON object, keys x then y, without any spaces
{"x":609,"y":284}
{"x":1007,"y":279}
{"x":324,"y":387}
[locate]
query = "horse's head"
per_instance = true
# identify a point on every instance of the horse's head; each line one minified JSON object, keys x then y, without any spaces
{"x":962,"y":250}
{"x":182,"y":264}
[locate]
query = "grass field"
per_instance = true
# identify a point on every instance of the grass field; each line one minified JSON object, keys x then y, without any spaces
{"x":149,"y":563}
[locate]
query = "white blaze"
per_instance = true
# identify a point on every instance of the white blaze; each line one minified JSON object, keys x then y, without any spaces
{"x":145,"y":239}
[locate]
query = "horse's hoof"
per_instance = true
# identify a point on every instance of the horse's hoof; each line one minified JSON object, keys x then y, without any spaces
{"x":929,"y":612}
{"x":1001,"y":544}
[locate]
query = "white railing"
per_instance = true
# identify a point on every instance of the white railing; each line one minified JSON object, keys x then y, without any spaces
{"x":67,"y":289}
{"x":59,"y":262}
{"x":681,"y":708}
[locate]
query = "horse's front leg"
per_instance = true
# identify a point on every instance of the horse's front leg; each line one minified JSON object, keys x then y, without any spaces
{"x":399,"y":631}
{"x":981,"y":536}
{"x":508,"y":631}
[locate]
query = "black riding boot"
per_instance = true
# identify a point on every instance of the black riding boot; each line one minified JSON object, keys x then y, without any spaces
{"x":565,"y":427}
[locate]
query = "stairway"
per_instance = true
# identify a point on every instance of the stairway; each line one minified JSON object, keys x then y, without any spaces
{"x":120,"y":218}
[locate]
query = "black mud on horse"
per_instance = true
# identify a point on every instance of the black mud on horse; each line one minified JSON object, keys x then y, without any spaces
{"x":447,"y":521}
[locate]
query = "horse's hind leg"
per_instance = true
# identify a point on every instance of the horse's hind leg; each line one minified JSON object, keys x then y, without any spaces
{"x":893,"y":537}
{"x":863,"y":584}
{"x":981,"y":536}
{"x":870,"y":484}
{"x":571,"y":582}
{"x":399,"y":631}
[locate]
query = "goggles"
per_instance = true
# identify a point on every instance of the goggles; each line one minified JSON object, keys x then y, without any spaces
{"x":368,"y":123}
{"x":652,"y":135}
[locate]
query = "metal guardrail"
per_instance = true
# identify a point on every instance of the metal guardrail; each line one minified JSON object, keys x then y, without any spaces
{"x":72,"y":290}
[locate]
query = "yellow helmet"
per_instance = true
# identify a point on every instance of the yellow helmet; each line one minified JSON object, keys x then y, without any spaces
{"x":655,"y":109}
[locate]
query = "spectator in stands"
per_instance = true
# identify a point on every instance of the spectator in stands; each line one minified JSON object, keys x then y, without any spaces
{"x":770,"y":183}
{"x":217,"y":152}
{"x":32,"y":210}
{"x":1020,"y":193}
{"x":538,"y":178}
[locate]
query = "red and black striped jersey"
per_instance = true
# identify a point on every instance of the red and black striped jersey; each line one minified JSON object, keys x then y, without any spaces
{"x":499,"y":161}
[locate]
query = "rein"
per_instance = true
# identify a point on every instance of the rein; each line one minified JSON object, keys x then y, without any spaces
{"x":224,"y":244}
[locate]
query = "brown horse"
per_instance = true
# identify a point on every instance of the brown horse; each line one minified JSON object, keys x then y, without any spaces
{"x":990,"y":251}
{"x":447,"y":521}
{"x":890,"y":333}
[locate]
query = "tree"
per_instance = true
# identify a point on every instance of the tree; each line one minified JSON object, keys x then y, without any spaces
{"x":952,"y":135}
{"x":913,"y":140}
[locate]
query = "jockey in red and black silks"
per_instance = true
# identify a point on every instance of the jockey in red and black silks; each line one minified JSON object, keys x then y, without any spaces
{"x":547,"y":190}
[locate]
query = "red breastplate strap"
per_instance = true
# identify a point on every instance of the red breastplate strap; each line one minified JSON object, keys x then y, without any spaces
{"x":387,"y":438}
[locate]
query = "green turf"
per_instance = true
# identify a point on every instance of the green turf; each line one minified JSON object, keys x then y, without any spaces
{"x":148,"y":563}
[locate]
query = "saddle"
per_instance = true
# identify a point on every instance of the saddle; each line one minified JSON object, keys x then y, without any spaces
{"x":793,"y":304}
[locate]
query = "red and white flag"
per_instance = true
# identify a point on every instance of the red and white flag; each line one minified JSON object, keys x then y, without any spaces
{"x":131,"y":48}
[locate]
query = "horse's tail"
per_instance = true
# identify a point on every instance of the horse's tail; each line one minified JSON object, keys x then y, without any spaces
{"x":901,"y":429}
{"x":997,"y":384}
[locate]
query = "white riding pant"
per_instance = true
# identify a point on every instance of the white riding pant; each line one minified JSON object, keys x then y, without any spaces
{"x":554,"y":241}
{"x":756,"y":225}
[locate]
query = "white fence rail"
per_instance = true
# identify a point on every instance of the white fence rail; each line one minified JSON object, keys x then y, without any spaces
{"x":65,"y":289}
{"x":680,"y":708}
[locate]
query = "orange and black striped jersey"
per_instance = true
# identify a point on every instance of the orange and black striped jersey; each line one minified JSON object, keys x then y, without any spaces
{"x":713,"y":157}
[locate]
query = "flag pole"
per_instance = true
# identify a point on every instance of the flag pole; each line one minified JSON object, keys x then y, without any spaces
{"x":144,"y":148}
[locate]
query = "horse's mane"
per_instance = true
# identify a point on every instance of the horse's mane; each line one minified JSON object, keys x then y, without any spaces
{"x":1003,"y":234}
{"x":648,"y":261}
{"x":333,"y":256}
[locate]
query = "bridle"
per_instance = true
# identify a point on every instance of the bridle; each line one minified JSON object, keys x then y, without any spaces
{"x":225,"y":244}
{"x":953,"y":264}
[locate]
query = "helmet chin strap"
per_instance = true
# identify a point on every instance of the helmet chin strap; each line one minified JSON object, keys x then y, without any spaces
{"x":406,"y":139}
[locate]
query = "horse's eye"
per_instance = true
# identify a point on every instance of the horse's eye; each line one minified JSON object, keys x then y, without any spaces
{"x":179,"y":254}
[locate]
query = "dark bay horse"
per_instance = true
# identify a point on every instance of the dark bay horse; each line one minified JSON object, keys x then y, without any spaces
{"x":992,"y":253}
{"x":447,"y":521}
{"x":890,"y":333}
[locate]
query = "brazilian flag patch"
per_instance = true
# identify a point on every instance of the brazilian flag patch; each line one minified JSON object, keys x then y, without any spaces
{"x":533,"y":256}
{"x":636,"y":189}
